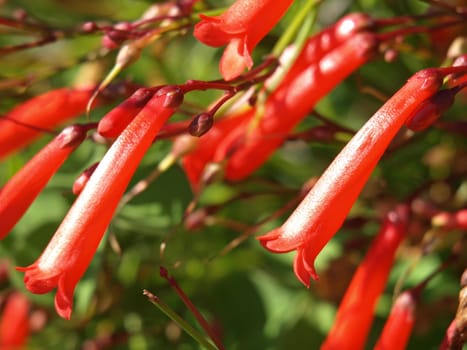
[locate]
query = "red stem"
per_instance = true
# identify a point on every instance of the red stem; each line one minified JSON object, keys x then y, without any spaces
{"x":186,"y":300}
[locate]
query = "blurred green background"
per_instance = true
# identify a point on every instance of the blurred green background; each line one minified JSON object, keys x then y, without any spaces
{"x":251,"y":295}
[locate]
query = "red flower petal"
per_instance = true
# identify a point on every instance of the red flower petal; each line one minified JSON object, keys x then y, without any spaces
{"x":72,"y":248}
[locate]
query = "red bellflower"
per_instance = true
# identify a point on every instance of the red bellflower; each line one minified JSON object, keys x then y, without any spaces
{"x":293,"y":100}
{"x":114,"y":122}
{"x":241,"y":28}
{"x":324,"y":209}
{"x":21,"y":190}
{"x":355,"y":314}
{"x":399,"y":325}
{"x":72,"y":248}
{"x":14,"y":322}
{"x":45,"y":111}
{"x":326,"y":59}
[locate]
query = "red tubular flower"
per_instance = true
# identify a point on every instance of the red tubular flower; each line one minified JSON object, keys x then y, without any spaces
{"x":71,"y":249}
{"x":327,"y":40}
{"x":21,"y":190}
{"x":431,"y":110}
{"x":294,"y":99}
{"x":241,"y":28}
{"x":355,"y":313}
{"x":14,"y":323}
{"x":114,"y":122}
{"x":323,"y":210}
{"x":45,"y":111}
{"x":398,"y":327}
{"x":316,"y":71}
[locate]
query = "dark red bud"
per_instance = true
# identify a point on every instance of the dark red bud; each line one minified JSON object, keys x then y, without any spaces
{"x":83,"y":179}
{"x":109,"y":44}
{"x":72,"y":135}
{"x":253,"y":99}
{"x":141,"y":96}
{"x":201,"y":124}
{"x":174,"y":96}
{"x":431,"y":110}
{"x":89,"y":27}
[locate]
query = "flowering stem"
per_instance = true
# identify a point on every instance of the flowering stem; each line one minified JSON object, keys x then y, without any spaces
{"x":74,"y":244}
{"x":186,"y":300}
{"x":417,"y":29}
{"x":192,"y":332}
{"x":5,"y":50}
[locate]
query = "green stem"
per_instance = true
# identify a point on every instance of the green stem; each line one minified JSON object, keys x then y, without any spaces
{"x":197,"y":336}
{"x":306,"y":23}
{"x":296,"y":25}
{"x":194,"y":17}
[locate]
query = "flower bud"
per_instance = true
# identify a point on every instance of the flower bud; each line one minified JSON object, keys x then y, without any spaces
{"x":83,"y":179}
{"x":430,"y":110}
{"x":201,"y":124}
{"x":174,"y":96}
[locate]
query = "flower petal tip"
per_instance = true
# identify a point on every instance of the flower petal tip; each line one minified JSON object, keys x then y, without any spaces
{"x":277,"y":242}
{"x":63,"y":309}
{"x":64,"y":298}
{"x":303,"y":270}
{"x":235,"y":60}
{"x":208,"y":32}
{"x":269,"y":241}
{"x":38,"y":281}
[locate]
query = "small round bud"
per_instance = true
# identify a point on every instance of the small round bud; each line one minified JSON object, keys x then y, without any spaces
{"x":201,"y":124}
{"x":431,"y":110}
{"x":109,"y":43}
{"x":141,"y":96}
{"x":390,"y":55}
{"x":89,"y":27}
{"x":195,"y":220}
